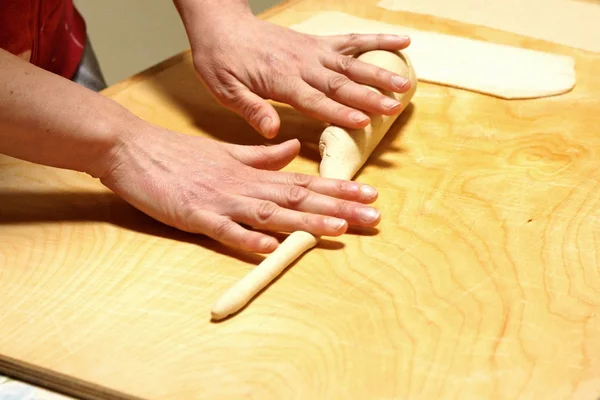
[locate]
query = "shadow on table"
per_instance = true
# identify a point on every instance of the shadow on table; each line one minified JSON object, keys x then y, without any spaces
{"x":35,"y":207}
{"x":180,"y":85}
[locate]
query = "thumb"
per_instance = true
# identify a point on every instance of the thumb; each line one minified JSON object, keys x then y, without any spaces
{"x":271,"y":158}
{"x":258,"y":112}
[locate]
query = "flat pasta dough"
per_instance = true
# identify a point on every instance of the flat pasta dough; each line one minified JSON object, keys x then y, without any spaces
{"x":579,"y":19}
{"x":494,"y":69}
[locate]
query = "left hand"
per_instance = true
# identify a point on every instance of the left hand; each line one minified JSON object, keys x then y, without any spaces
{"x":243,"y":61}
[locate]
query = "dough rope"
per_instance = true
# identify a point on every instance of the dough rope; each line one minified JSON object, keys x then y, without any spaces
{"x":343,"y":152}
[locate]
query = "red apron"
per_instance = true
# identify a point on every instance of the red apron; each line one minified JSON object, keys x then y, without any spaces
{"x":47,"y":33}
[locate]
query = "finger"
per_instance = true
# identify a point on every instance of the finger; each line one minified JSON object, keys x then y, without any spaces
{"x":337,"y":188}
{"x":267,"y":215}
{"x":365,"y":73}
{"x":301,"y":199}
{"x":354,"y":43}
{"x":316,"y":104}
{"x":340,"y":88}
{"x":229,"y":233}
{"x":266,"y":157}
{"x":257,"y":111}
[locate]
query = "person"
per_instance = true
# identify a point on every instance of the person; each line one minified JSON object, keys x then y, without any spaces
{"x":52,"y":114}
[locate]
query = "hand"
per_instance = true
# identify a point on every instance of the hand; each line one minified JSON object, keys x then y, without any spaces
{"x":243,"y":60}
{"x":203,"y":186}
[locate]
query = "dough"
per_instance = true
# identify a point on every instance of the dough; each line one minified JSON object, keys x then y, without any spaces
{"x":499,"y":70}
{"x":579,"y":21}
{"x":260,"y":276}
{"x":343,"y":153}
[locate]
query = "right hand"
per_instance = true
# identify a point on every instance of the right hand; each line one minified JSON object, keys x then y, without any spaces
{"x":207,"y":187}
{"x":317,"y":75}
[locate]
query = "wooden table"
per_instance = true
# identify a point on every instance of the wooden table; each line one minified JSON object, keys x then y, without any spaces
{"x":482,"y":281}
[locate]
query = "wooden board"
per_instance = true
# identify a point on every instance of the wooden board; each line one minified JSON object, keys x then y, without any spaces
{"x":482,"y":281}
{"x":540,"y":19}
{"x":508,"y":72}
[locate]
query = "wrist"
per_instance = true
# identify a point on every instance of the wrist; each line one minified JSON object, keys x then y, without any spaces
{"x":48,"y":120}
{"x":202,"y":18}
{"x":109,"y":134}
{"x":212,"y":7}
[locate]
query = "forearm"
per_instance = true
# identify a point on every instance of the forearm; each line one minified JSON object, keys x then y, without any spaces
{"x":212,"y":7}
{"x":199,"y":16}
{"x":49,"y":120}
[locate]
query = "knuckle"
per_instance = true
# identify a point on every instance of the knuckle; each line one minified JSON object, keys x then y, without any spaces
{"x":287,"y":87}
{"x":183,"y":217}
{"x":294,"y":56}
{"x":308,"y":221}
{"x":268,"y":83}
{"x":372,"y":97}
{"x":312,"y":99}
{"x":222,"y":94}
{"x":270,"y":59}
{"x":220,"y":83}
{"x":335,"y":83}
{"x":353,"y":40}
{"x":222,"y":229}
{"x":342,"y":110}
{"x":250,"y":242}
{"x":252,"y":111}
{"x":261,"y":150}
{"x":225,"y":95}
{"x":188,"y":201}
{"x":276,"y":67}
{"x":301,"y":180}
{"x":346,"y":63}
{"x":265,"y":211}
{"x":344,"y":187}
{"x":381,"y":74}
{"x":343,"y":209}
{"x":296,"y":195}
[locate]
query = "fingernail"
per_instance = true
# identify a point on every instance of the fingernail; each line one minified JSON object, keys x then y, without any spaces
{"x":401,"y":83}
{"x":390,"y":103}
{"x":358,"y":117}
{"x":368,"y":215}
{"x":265,"y":125}
{"x":335,"y":224}
{"x":368,"y":191}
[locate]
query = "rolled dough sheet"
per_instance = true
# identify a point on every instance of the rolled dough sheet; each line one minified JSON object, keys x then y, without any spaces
{"x":504,"y":71}
{"x":574,"y":23}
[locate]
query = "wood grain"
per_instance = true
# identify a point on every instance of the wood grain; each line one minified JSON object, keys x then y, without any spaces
{"x":535,"y":18}
{"x":482,"y":281}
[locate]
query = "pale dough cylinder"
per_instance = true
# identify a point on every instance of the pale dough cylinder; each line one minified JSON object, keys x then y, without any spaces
{"x":259,"y":277}
{"x":344,"y":152}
